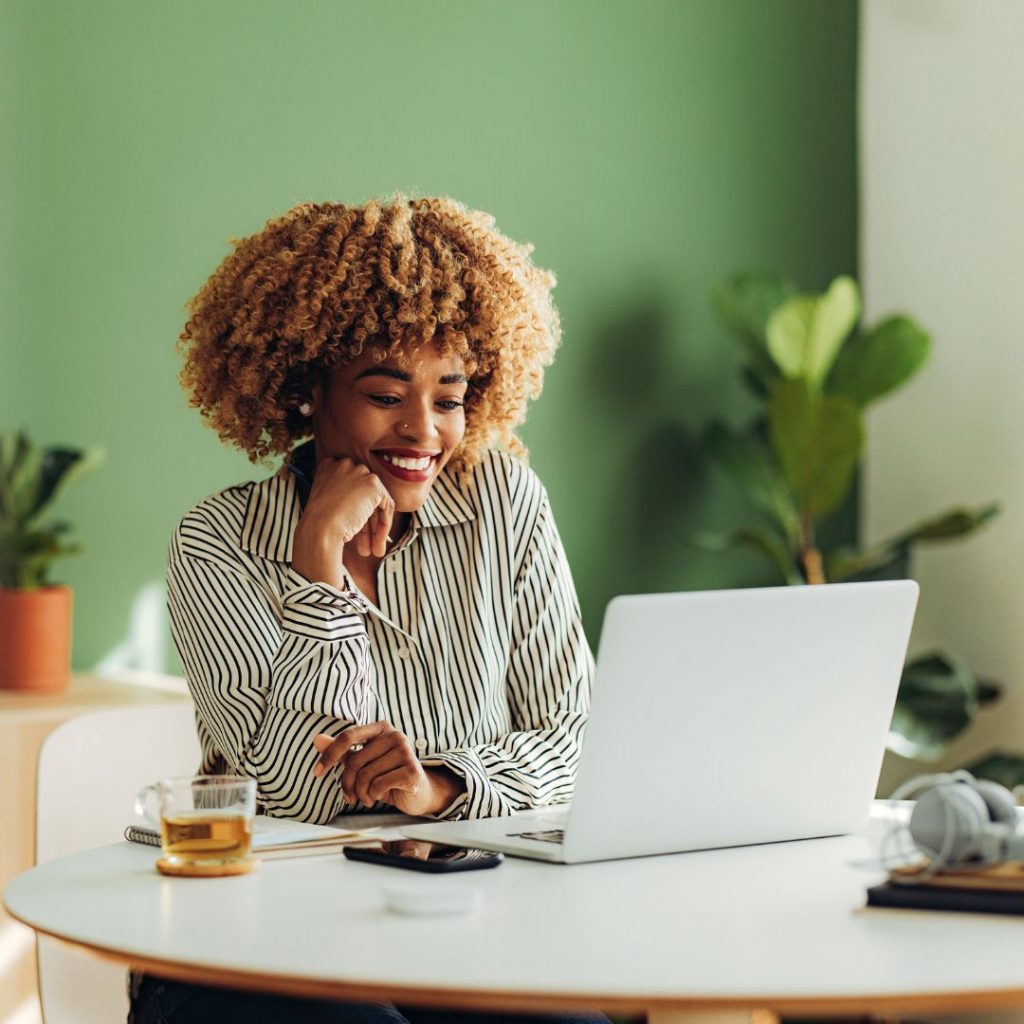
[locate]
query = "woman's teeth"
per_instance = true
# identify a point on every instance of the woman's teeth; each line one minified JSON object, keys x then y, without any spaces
{"x":413,"y":464}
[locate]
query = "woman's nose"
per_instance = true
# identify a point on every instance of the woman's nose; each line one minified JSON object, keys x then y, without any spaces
{"x":417,"y":424}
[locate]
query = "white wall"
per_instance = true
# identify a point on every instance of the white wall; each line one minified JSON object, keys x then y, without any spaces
{"x":942,"y":237}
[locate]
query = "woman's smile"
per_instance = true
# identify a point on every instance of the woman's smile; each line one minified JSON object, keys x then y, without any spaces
{"x":407,"y":464}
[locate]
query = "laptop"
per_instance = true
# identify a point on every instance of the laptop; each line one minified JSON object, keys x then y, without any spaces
{"x":723,"y":718}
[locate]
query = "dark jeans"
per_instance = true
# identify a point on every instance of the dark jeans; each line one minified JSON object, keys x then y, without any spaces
{"x":155,"y":1001}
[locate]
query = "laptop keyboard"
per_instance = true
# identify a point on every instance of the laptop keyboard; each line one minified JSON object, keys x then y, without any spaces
{"x":547,"y":835}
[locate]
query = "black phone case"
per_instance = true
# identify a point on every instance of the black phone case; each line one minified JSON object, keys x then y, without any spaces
{"x":431,"y":867}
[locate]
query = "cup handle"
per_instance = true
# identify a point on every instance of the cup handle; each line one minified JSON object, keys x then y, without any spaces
{"x":149,"y":796}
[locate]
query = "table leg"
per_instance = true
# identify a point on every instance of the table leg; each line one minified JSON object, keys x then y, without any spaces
{"x":712,"y":1017}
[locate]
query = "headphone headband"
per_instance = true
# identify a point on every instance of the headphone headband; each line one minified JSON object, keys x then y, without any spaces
{"x":917,"y":785}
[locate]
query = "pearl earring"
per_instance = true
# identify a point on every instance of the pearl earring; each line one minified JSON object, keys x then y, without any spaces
{"x":305,"y":408}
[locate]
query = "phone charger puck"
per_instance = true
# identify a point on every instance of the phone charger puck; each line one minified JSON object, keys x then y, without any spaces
{"x":430,"y":900}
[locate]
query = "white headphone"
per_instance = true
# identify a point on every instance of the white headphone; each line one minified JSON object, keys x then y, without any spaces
{"x":960,"y":822}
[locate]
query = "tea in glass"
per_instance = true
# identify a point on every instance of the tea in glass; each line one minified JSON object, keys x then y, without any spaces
{"x":205,"y":823}
{"x":205,"y":834}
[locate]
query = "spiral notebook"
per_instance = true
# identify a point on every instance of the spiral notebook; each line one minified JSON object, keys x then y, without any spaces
{"x":276,"y":837}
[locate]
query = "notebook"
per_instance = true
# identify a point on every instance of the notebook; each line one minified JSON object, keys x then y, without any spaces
{"x":276,"y":837}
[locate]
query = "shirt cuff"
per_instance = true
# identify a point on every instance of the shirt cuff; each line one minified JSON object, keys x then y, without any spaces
{"x":480,"y":799}
{"x":320,"y":611}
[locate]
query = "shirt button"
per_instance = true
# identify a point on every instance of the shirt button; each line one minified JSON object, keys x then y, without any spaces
{"x":392,"y":565}
{"x":421,"y":745}
{"x":404,"y":653}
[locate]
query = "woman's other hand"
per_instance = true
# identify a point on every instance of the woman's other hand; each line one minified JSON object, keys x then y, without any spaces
{"x":347,"y":503}
{"x":386,"y":769}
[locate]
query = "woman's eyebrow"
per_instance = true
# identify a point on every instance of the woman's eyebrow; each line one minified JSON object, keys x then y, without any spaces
{"x":388,"y":371}
{"x":385,"y":371}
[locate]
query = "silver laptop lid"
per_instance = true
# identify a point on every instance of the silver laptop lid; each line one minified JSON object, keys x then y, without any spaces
{"x":738,"y":716}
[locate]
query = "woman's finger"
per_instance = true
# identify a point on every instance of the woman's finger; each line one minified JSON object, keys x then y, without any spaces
{"x":399,"y":779}
{"x":361,"y":769}
{"x":388,"y":518}
{"x":381,"y":520}
{"x":356,"y":746}
{"x":362,"y":539}
{"x":331,"y":750}
{"x":369,"y":751}
{"x":367,"y":779}
{"x":335,"y":749}
{"x":380,"y":533}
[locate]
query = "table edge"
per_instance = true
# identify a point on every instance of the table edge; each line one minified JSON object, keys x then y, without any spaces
{"x":505,"y":999}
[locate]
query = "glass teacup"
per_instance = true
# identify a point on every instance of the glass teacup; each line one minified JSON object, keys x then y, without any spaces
{"x":205,"y":823}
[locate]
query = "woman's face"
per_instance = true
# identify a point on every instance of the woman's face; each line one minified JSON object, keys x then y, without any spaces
{"x":402,"y":422}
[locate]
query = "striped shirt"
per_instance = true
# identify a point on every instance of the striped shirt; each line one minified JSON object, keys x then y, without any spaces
{"x":475,"y":650}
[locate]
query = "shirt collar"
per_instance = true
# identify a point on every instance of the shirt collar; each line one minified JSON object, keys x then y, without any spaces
{"x":271,"y":515}
{"x":446,"y":505}
{"x":273,"y":509}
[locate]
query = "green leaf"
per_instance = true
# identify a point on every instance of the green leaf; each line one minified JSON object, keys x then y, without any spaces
{"x":759,"y":539}
{"x":746,"y":300}
{"x":751,"y":466}
{"x":805,"y":334}
{"x":13,"y":448}
{"x":24,"y":484}
{"x":956,"y":522}
{"x":873,"y":364}
{"x":60,"y":468}
{"x":1000,"y":766}
{"x":938,"y":698}
{"x":818,"y":441}
{"x":847,"y":565}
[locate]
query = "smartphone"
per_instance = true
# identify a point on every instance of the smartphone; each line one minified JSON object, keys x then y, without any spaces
{"x":419,"y":855}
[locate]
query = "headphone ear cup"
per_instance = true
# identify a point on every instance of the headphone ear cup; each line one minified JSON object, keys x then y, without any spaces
{"x":1002,"y":807}
{"x":947,"y":820}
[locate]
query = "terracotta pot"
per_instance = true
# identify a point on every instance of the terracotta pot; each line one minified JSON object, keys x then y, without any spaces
{"x":35,"y":639}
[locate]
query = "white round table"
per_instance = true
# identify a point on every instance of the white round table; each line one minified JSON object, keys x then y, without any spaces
{"x":780,"y":928}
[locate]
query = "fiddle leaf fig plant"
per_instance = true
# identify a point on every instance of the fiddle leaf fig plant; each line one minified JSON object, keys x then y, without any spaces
{"x":32,"y":480}
{"x":814,"y":369}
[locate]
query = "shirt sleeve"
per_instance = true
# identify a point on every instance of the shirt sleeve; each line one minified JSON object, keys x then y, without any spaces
{"x":267,"y":672}
{"x":548,"y":684}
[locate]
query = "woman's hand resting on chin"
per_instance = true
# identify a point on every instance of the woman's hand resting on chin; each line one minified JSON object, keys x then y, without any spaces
{"x":347,"y":503}
{"x":386,"y":769}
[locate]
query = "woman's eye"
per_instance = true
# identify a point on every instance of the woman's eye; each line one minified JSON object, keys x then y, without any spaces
{"x":448,"y":404}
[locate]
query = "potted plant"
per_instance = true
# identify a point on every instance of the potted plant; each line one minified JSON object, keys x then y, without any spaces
{"x":35,"y":615}
{"x":813,"y":369}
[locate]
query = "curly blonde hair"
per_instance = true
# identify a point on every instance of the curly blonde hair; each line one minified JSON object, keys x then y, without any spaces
{"x":325,"y":281}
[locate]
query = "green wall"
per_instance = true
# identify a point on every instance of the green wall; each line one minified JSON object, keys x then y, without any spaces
{"x":646,"y":148}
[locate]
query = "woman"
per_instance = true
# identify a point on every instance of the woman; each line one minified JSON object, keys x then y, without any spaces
{"x":390,"y":619}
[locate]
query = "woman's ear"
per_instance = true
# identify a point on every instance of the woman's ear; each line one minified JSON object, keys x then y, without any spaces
{"x":309,"y":405}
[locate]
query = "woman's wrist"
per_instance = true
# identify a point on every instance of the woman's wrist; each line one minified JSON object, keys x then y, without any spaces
{"x":445,"y":786}
{"x":318,"y":557}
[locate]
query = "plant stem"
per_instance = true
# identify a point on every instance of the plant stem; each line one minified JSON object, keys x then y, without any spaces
{"x":810,"y":556}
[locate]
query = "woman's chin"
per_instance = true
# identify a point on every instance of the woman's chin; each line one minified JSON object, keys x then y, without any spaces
{"x":409,"y":497}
